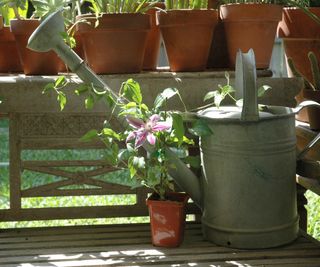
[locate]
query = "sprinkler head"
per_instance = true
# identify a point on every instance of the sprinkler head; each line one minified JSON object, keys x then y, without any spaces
{"x":48,"y":35}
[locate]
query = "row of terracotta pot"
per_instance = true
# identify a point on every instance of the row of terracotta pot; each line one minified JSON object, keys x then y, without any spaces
{"x":128,"y":44}
{"x":187,"y":35}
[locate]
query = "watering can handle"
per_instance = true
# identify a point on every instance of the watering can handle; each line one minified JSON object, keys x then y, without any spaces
{"x":246,"y":87}
{"x":301,"y":106}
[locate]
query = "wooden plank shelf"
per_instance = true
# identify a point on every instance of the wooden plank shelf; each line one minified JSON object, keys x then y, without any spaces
{"x":130,"y":245}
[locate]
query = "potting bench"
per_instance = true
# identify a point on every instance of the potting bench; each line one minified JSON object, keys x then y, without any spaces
{"x":35,"y":123}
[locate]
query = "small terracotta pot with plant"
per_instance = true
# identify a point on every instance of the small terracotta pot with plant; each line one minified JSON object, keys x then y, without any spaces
{"x":9,"y":58}
{"x":156,"y":129}
{"x":251,"y":24}
{"x":33,"y":63}
{"x":187,"y":28}
{"x":114,"y":37}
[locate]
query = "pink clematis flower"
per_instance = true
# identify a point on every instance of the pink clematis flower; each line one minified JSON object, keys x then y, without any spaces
{"x":144,"y":130}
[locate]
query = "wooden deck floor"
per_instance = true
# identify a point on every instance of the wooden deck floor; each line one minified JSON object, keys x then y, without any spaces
{"x":129,"y":245}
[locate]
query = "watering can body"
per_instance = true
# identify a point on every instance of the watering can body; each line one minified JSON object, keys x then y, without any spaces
{"x":249,"y":169}
{"x":248,"y":189}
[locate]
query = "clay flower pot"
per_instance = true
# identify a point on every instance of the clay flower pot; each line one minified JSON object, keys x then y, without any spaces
{"x":117,"y":44}
{"x":296,"y":24}
{"x":167,"y":219}
{"x":34,"y":63}
{"x":251,"y":26}
{"x":9,"y":58}
{"x":187,"y":35}
{"x":300,"y":34}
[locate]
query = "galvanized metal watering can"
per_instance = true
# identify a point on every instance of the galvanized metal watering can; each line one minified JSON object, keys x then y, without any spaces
{"x":248,"y":190}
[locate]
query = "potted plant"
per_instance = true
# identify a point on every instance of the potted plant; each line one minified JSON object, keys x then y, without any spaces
{"x":33,"y":63}
{"x":8,"y":44}
{"x":114,"y":37}
{"x":251,"y":24}
{"x":312,"y":88}
{"x":159,"y":129}
{"x":187,"y":28}
{"x":162,"y":129}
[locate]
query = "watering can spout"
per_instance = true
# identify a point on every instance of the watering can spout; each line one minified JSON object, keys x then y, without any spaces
{"x":48,"y":37}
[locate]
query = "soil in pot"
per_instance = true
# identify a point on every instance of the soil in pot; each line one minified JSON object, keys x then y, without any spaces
{"x":167,"y":219}
{"x":117,"y":44}
{"x":34,"y":63}
{"x":9,"y":58}
{"x":187,"y":35}
{"x":251,"y":26}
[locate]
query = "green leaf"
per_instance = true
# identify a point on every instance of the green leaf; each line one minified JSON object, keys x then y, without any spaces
{"x":144,"y":107}
{"x":47,"y":88}
{"x":60,"y":82}
{"x":226,"y":89}
{"x":134,"y":164}
{"x":132,"y":91}
{"x":164,"y":96}
{"x":218,"y":99}
{"x":109,"y":100}
{"x":89,"y":102}
{"x":200,"y":128}
{"x":209,"y":95}
{"x":111,"y":133}
{"x":123,"y":155}
{"x":82,"y":88}
{"x":263,"y":89}
{"x":178,"y":126}
{"x":193,"y":161}
{"x":89,"y":135}
{"x":62,"y":100}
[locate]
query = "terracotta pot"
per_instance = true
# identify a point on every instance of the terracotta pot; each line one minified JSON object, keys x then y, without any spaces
{"x":187,"y":35}
{"x":34,"y":63}
{"x":298,"y":49}
{"x":167,"y":219}
{"x":152,"y":50}
{"x":296,"y":24}
{"x":313,"y":113}
{"x":9,"y":58}
{"x":251,"y":26}
{"x":117,"y":44}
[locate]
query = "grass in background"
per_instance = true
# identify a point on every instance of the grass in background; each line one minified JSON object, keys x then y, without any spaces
{"x":313,"y":209}
{"x":31,"y":179}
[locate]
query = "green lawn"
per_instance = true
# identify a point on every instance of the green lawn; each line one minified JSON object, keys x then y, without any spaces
{"x":30,"y":179}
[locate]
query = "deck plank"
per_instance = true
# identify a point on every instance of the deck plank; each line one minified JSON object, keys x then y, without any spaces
{"x":130,"y":245}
